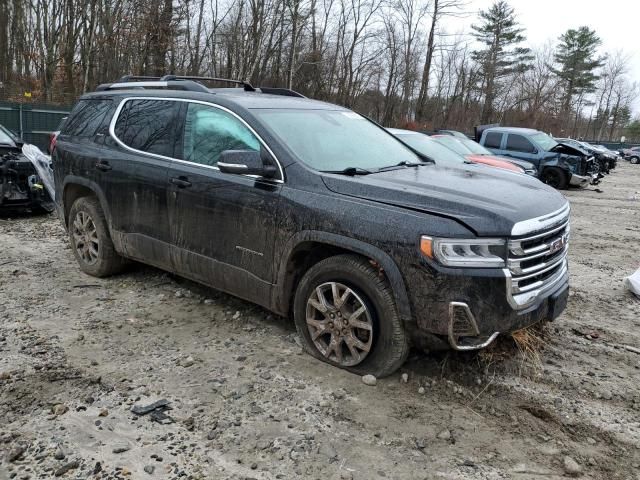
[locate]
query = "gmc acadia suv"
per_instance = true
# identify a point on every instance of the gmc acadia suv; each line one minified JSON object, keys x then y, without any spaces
{"x":309,"y":210}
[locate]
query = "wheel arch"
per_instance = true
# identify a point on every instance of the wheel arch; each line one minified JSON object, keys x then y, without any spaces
{"x":77,"y":187}
{"x":307,"y":248}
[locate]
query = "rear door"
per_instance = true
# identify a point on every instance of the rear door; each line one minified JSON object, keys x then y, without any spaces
{"x":222,"y":225}
{"x":79,"y":143}
{"x":144,"y":136}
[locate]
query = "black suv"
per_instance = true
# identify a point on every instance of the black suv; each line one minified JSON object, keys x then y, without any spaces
{"x":309,"y":210}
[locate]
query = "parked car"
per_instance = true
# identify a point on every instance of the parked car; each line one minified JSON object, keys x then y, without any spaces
{"x":20,"y":186}
{"x":610,"y":156}
{"x":310,"y":210}
{"x":442,"y":155}
{"x":477,"y":153}
{"x":606,"y":160}
{"x":632,"y":154}
{"x":560,"y":165}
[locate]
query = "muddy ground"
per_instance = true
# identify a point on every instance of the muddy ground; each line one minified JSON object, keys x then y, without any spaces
{"x":76,"y":353}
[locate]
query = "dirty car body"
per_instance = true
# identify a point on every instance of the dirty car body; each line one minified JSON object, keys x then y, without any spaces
{"x":464,"y":253}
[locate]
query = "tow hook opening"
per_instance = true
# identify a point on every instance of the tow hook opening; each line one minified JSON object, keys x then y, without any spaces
{"x":463,"y":332}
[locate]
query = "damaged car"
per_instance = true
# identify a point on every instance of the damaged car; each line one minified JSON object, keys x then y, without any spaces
{"x":559,"y":165}
{"x":20,"y":185}
{"x":311,"y":211}
{"x":607,"y":160}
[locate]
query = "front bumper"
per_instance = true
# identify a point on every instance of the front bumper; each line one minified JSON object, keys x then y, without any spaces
{"x":465,"y":332}
{"x":584,"y":180}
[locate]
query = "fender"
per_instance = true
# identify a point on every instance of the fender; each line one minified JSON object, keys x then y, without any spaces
{"x":281,"y":297}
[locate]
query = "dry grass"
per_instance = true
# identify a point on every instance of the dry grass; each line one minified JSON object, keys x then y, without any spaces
{"x":529,"y":342}
{"x":524,"y":346}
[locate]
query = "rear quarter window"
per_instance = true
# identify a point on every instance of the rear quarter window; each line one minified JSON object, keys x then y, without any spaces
{"x":86,"y":118}
{"x":492,"y":140}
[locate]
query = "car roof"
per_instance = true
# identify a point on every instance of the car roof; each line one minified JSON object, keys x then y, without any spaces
{"x":520,"y":130}
{"x":223,"y":96}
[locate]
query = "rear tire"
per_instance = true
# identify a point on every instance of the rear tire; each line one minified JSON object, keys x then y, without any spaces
{"x":635,"y":160}
{"x":555,"y":177}
{"x":356,"y":325}
{"x":90,"y":240}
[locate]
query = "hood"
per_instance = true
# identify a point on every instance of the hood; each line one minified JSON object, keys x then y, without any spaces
{"x":494,"y":161}
{"x":570,"y":150}
{"x":522,"y":163}
{"x":489,"y":201}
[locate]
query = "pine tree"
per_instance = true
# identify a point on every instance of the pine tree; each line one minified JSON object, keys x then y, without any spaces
{"x":501,"y":57}
{"x":577,"y":63}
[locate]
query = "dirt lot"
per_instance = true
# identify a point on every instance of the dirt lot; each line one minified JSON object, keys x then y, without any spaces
{"x":76,"y":353}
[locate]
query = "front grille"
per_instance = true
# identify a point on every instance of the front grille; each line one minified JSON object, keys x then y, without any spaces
{"x":536,"y":261}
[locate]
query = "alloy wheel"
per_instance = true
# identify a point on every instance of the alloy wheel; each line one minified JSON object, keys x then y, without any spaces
{"x":340,"y":324}
{"x":85,"y":238}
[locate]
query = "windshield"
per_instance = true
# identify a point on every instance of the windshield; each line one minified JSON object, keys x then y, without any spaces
{"x":544,"y":141}
{"x":431,"y":148}
{"x":463,"y":146}
{"x":5,"y":139}
{"x":334,"y":140}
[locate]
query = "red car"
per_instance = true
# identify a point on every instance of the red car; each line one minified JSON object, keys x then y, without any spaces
{"x":475,"y":152}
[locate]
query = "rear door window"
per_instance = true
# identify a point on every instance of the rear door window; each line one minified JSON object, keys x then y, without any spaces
{"x":493,"y":140}
{"x":86,"y":118}
{"x":518,"y":143}
{"x":149,"y":126}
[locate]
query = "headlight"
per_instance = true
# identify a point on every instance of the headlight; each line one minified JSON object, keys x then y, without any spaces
{"x":472,"y":253}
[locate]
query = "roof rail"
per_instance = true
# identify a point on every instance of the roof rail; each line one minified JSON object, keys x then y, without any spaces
{"x":172,"y":85}
{"x":189,"y":83}
{"x":247,"y":86}
{"x":135,"y":78}
{"x":281,"y":91}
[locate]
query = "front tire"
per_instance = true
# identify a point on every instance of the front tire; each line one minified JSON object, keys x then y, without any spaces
{"x":635,"y":160}
{"x":345,"y":313}
{"x":555,"y":177}
{"x":90,"y":240}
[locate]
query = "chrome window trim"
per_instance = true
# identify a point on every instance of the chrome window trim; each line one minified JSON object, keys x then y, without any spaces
{"x":116,"y":115}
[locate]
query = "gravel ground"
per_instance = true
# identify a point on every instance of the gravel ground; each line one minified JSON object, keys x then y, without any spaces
{"x":76,"y":353}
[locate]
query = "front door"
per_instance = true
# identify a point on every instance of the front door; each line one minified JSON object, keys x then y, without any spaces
{"x":222,"y":225}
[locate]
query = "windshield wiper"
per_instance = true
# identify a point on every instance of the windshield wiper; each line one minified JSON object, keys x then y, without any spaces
{"x":351,"y":171}
{"x":404,"y":163}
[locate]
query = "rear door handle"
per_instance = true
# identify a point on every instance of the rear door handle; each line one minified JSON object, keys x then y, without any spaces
{"x":103,"y":165}
{"x":181,"y":182}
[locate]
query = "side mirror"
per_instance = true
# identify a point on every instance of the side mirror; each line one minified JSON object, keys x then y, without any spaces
{"x":245,"y":162}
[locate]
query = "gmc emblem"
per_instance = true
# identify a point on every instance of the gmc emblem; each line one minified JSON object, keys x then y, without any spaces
{"x":556,"y":245}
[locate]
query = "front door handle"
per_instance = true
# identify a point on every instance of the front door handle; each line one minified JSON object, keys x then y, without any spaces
{"x":103,"y":165}
{"x":181,"y":182}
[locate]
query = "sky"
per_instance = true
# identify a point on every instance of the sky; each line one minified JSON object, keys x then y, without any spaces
{"x":615,"y":21}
